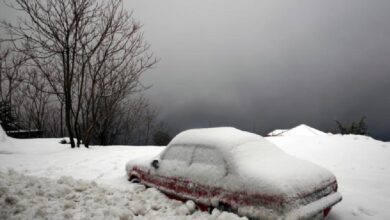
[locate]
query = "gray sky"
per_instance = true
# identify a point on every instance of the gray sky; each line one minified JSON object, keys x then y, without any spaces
{"x":264,"y":64}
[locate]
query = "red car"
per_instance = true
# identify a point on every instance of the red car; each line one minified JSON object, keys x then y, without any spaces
{"x":239,"y":172}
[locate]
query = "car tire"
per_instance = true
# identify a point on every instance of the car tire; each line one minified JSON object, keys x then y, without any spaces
{"x":225,"y":207}
{"x":134,"y":179}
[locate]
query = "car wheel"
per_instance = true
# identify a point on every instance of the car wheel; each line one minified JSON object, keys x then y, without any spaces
{"x":225,"y":207}
{"x":134,"y":179}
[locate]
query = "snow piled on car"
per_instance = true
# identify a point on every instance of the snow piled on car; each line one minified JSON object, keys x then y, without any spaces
{"x":270,"y":171}
{"x":224,"y":137}
{"x":27,"y":197}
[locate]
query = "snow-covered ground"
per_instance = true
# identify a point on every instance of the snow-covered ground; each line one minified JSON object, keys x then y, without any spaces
{"x":42,"y":179}
{"x":51,"y":180}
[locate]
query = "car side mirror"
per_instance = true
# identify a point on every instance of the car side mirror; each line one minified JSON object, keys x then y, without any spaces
{"x":155,"y":164}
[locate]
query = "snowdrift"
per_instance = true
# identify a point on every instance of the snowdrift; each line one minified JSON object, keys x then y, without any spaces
{"x":3,"y":135}
{"x":6,"y":146}
{"x":300,"y":130}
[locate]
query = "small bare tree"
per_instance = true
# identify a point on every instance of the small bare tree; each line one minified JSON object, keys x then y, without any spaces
{"x":11,"y":78}
{"x":11,"y":74}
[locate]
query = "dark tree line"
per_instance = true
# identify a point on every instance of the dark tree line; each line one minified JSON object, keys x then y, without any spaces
{"x":73,"y":67}
{"x":358,"y":127}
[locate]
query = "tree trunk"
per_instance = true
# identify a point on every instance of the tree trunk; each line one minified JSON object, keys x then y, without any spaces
{"x":68,"y":122}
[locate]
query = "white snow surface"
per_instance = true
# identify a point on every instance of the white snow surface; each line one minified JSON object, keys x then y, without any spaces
{"x":300,"y":130}
{"x":28,"y":197}
{"x":42,"y":169}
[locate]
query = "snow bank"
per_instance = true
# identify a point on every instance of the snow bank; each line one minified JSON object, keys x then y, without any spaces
{"x":300,"y":130}
{"x":3,"y":135}
{"x":6,"y":146}
{"x":26,"y":197}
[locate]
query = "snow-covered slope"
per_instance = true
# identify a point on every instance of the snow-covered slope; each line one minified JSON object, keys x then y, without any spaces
{"x":300,"y":130}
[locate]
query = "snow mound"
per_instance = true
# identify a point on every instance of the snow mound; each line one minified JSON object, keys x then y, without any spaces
{"x":6,"y":147}
{"x":3,"y":135}
{"x":26,"y":197}
{"x":300,"y":130}
{"x":225,"y":137}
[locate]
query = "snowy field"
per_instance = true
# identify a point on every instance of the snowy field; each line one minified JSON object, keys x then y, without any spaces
{"x":40,"y":178}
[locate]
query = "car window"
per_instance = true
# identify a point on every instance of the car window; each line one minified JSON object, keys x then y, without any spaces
{"x":207,"y":156}
{"x":178,"y":153}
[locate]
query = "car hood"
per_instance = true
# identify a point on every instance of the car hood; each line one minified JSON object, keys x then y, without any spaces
{"x":265,"y":168}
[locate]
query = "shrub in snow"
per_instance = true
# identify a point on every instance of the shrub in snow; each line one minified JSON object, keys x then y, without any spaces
{"x":359,"y":128}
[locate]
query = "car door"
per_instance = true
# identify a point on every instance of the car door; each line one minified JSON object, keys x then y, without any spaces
{"x":206,"y":171}
{"x":173,"y":169}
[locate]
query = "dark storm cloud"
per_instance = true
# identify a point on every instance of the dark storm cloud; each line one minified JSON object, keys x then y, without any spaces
{"x":261,"y":65}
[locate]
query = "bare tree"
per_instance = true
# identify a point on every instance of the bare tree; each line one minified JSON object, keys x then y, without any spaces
{"x":91,"y":53}
{"x":11,"y":75}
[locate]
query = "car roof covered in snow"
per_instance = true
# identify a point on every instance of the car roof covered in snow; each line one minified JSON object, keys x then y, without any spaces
{"x":224,"y":138}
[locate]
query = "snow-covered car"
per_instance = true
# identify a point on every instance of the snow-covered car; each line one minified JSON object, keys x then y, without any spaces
{"x":240,"y":172}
